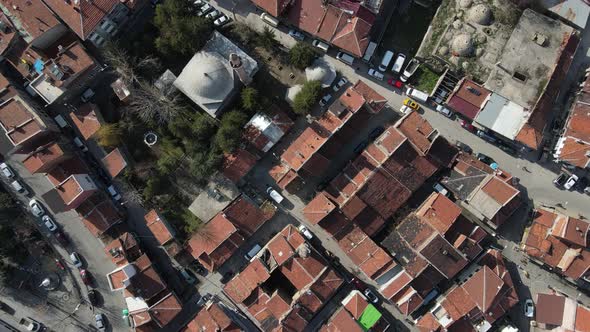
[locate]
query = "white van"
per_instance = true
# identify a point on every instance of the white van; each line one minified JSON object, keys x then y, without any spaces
{"x":385,"y":61}
{"x":399,"y":63}
{"x":321,"y":45}
{"x":252,"y":252}
{"x":269,"y":20}
{"x":61,"y":122}
{"x":345,"y":57}
{"x":370,"y":51}
{"x":19,"y":188}
{"x":417,"y":94}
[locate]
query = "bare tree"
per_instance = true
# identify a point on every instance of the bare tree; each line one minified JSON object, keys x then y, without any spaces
{"x":152,"y":104}
{"x":128,"y":67}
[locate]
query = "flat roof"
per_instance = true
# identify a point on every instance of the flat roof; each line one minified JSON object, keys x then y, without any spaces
{"x":219,"y":193}
{"x":525,"y":67}
{"x":503,"y":116}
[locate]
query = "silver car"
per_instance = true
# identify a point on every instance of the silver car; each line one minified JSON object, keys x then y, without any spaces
{"x":36,"y":208}
{"x":6,"y":171}
{"x":100,"y":322}
{"x":49,"y":223}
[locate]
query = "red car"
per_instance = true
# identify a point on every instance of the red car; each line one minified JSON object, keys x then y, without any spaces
{"x":85,"y":275}
{"x":59,"y":264}
{"x":467,"y":126}
{"x":358,"y":284}
{"x":395,"y":83}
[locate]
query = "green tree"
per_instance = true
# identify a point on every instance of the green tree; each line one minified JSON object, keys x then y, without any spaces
{"x":267,"y":39}
{"x":154,"y":187}
{"x":171,"y":155}
{"x":109,"y":135}
{"x":302,"y":55}
{"x":203,"y":127}
{"x":191,"y":222}
{"x":6,"y":202}
{"x":204,"y":164}
{"x":230,"y":130}
{"x":307,"y":97}
{"x":181,"y":33}
{"x":250,"y":99}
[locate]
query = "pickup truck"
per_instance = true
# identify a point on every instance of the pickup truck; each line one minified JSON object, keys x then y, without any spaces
{"x":30,"y":324}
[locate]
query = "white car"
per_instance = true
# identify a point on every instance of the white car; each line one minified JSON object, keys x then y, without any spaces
{"x":76,"y":260}
{"x":6,"y":171}
{"x":214,"y":14}
{"x":405,"y":109}
{"x":36,"y":208}
{"x":371,"y":296}
{"x":274,"y":195}
{"x":223,"y":20}
{"x":529,"y":308}
{"x":340,"y":84}
{"x":444,"y":111}
{"x":99,"y":322}
{"x":305,"y":232}
{"x":325,"y":100}
{"x":296,"y":34}
{"x":569,"y":184}
{"x":205,"y":9}
{"x":49,"y":223}
{"x":375,"y":74}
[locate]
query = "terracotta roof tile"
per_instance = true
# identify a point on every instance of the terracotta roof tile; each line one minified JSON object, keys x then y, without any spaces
{"x":165,"y":310}
{"x":34,"y":16}
{"x":304,"y":147}
{"x":211,"y":318}
{"x":318,"y":208}
{"x":82,"y":17}
{"x":44,"y":158}
{"x":86,"y":119}
{"x":273,"y":7}
{"x":159,"y":227}
{"x":236,"y":165}
{"x":418,"y":131}
{"x":549,"y":309}
{"x":582,"y":319}
{"x":214,"y":234}
{"x":439,"y":211}
{"x":374,"y":100}
{"x":500,"y":191}
{"x":356,"y":305}
{"x":114,"y":162}
{"x":75,"y":189}
{"x":19,"y":121}
{"x":98,"y":217}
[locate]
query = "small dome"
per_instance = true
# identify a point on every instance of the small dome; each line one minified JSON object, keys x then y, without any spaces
{"x":321,"y":71}
{"x":465,"y":3}
{"x":480,"y":14}
{"x":443,"y":50}
{"x":462,"y":45}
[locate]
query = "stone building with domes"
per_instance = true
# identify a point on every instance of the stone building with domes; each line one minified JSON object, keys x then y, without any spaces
{"x":215,"y":74}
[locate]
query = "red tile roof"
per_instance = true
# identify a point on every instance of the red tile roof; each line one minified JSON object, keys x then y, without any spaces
{"x":468,"y":98}
{"x":439,"y":211}
{"x":215,"y":233}
{"x":114,"y":162}
{"x":34,"y":16}
{"x":75,"y":189}
{"x":86,"y":119}
{"x":98,"y":215}
{"x":418,"y":131}
{"x":83,"y":16}
{"x":582,"y":319}
{"x":164,"y":311}
{"x":123,"y":249}
{"x":550,"y":309}
{"x":159,"y":227}
{"x":19,"y":121}
{"x":211,"y":318}
{"x":318,"y":208}
{"x":237,"y":164}
{"x":59,"y":173}
{"x":44,"y":158}
{"x":273,"y":7}
{"x":367,"y":255}
{"x":304,"y":147}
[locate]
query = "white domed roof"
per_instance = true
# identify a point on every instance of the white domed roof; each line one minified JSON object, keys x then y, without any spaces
{"x":462,"y":45}
{"x":480,"y":14}
{"x":321,"y":71}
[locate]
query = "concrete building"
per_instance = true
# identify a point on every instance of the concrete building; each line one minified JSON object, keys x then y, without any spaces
{"x":527,"y":78}
{"x":215,"y":74}
{"x":285,"y":284}
{"x":76,"y":189}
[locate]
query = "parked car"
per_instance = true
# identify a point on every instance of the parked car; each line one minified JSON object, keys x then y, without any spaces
{"x":376,"y":133}
{"x":113,"y":192}
{"x":296,"y":34}
{"x":529,"y":308}
{"x":361,"y":146}
{"x":278,"y":198}
{"x":405,"y":109}
{"x":560,"y":180}
{"x":395,"y":83}
{"x":19,"y":187}
{"x":467,"y":126}
{"x":410,"y":70}
{"x":486,"y":136}
{"x":61,"y":238}
{"x":375,"y":74}
{"x":100,"y":322}
{"x":411,"y":103}
{"x":484,"y":158}
{"x":340,"y":84}
{"x":93,"y":297}
{"x":213,"y":14}
{"x":49,"y":223}
{"x":463,"y":147}
{"x":85,"y":275}
{"x":188,"y":276}
{"x":305,"y":232}
{"x":76,"y":260}
{"x":444,"y":111}
{"x":371,"y":296}
{"x":358,"y":284}
{"x":87,"y":95}
{"x":325,"y":100}
{"x":78,"y":142}
{"x":6,"y":171}
{"x":206,"y":8}
{"x":569,"y":184}
{"x":203,"y":299}
{"x":321,"y":45}
{"x":199,"y":3}
{"x":221,"y":21}
{"x":508,"y":149}
{"x":36,"y":208}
